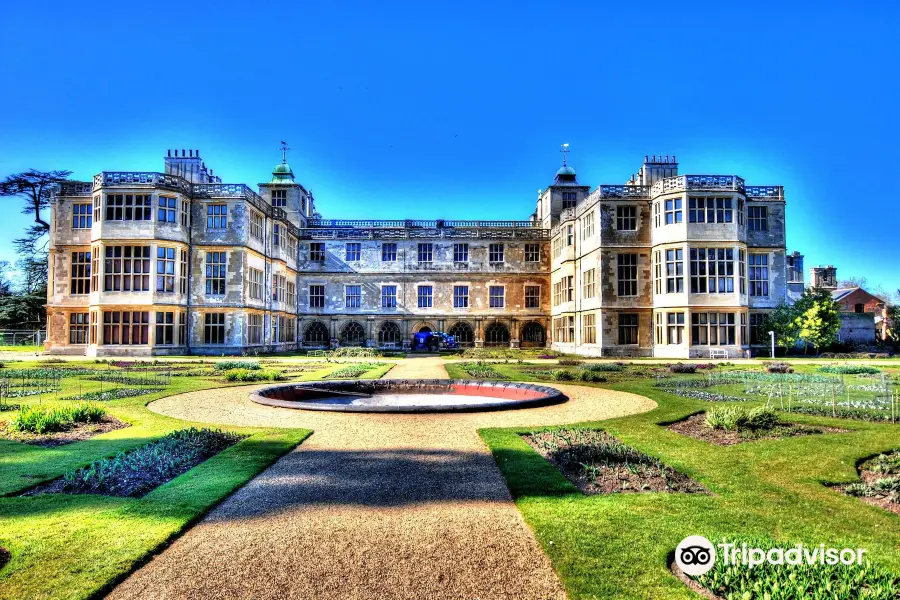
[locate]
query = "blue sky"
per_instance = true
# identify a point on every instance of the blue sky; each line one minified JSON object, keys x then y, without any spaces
{"x":429,"y":110}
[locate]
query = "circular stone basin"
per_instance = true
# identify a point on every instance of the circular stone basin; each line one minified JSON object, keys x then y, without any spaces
{"x":408,"y":395}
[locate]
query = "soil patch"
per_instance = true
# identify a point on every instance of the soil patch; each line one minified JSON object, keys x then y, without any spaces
{"x":694,"y":427}
{"x":597,"y":463}
{"x":878,"y":486}
{"x":77,"y":433}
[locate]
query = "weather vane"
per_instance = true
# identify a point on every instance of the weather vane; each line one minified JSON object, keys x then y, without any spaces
{"x":284,"y":149}
{"x":565,"y":150}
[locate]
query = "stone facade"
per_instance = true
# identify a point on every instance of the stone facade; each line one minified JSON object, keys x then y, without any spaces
{"x":178,"y":262}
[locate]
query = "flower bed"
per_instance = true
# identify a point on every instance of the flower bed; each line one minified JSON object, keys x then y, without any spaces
{"x":134,"y":474}
{"x":598,"y":463}
{"x":353,"y":371}
{"x":880,"y":482}
{"x":703,"y":427}
{"x":228,"y":365}
{"x":481,"y":370}
{"x":113,"y":394}
{"x":41,"y":425}
{"x":252,"y":375}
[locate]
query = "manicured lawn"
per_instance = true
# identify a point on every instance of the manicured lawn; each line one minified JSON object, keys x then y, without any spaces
{"x":77,"y":546}
{"x":618,"y":546}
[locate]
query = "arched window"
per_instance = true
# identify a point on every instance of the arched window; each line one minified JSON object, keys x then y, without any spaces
{"x":496,"y":334}
{"x":353,"y":334}
{"x":389,"y":333}
{"x":532,"y":335}
{"x":316,"y":334}
{"x":424,"y":329}
{"x":463,"y":333}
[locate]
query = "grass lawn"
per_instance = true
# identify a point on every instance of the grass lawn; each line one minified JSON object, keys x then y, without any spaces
{"x":618,"y":546}
{"x":78,"y":546}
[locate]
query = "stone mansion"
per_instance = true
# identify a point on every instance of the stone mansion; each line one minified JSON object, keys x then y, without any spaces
{"x":177,"y":262}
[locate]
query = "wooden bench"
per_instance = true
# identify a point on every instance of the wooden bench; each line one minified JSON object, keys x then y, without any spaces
{"x":718,"y":353}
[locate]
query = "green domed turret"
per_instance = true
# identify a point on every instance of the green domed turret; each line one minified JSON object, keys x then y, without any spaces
{"x":566,"y":170}
{"x":282,"y":174}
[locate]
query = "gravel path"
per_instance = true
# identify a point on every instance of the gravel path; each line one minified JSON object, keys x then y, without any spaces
{"x":370,"y":506}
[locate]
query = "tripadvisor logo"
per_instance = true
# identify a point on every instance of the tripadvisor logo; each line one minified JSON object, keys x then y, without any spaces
{"x":696,"y":555}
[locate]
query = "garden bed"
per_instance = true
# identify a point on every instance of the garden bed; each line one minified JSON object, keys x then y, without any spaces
{"x":694,"y":426}
{"x":597,"y":463}
{"x":138,"y":472}
{"x":77,"y":432}
{"x":879,"y":482}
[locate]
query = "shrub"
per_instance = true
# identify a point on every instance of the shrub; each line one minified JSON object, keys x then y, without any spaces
{"x":603,"y":367}
{"x":592,"y":377}
{"x":139,"y":471}
{"x":707,"y":366}
{"x":779,"y":367}
{"x":682,"y":368}
{"x":249,"y":375}
{"x":562,"y":375}
{"x":45,"y":419}
{"x":353,"y":370}
{"x":569,"y":362}
{"x":354,"y":352}
{"x":113,"y":394}
{"x":736,"y":418}
{"x":481,"y":370}
{"x":228,"y":365}
{"x":849,"y":370}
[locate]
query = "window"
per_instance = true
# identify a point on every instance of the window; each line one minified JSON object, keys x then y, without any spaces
{"x":587,"y":226}
{"x":532,"y":296}
{"x":256,"y":225}
{"x":389,"y":252}
{"x":286,"y":330}
{"x":389,"y":333}
{"x":279,"y":198}
{"x":317,"y":251}
{"x":165,"y":329}
{"x":126,"y":269}
{"x":656,"y":215}
{"x":182,"y":274}
{"x":562,"y":290}
{"x":214,"y":328}
{"x":81,"y":216}
{"x":496,"y":297}
{"x":291,"y":246}
{"x":81,"y":273}
{"x":277,"y":237}
{"x":97,"y":209}
{"x":658,"y":328}
{"x":759,"y":275}
{"x":673,"y":211}
{"x":569,"y":199}
{"x":215,"y":273}
{"x":674,"y":271}
{"x":657,"y":271}
{"x":742,"y":271}
{"x":460,"y":296}
{"x":254,"y":328}
{"x":255,"y":279}
{"x":185,"y":213}
{"x":216,"y":216}
{"x":756,"y":328}
{"x":532,"y":252}
{"x":352,"y":296}
{"x":712,"y":270}
{"x":628,"y":329}
{"x":495,"y":253}
{"x":389,"y":296}
{"x":711,"y":329}
{"x":426,"y":252}
{"x":588,"y":331}
{"x":167,"y":209}
{"x":460,"y":253}
{"x":165,"y":269}
{"x":182,"y":329}
{"x":424,"y":296}
{"x":275,"y":329}
{"x":278,"y":285}
{"x":126,"y":327}
{"x":710,"y":210}
{"x":565,"y":329}
{"x":757,"y":218}
{"x":317,"y":296}
{"x":557,"y":247}
{"x":626,"y":218}
{"x":627,"y":274}
{"x":589,"y":287}
{"x":95,"y":269}
{"x":316,"y":334}
{"x":674,"y":328}
{"x":352,"y":251}
{"x":290,"y":295}
{"x":570,"y":235}
{"x":740,"y":211}
{"x":128,"y":207}
{"x":78,"y":328}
